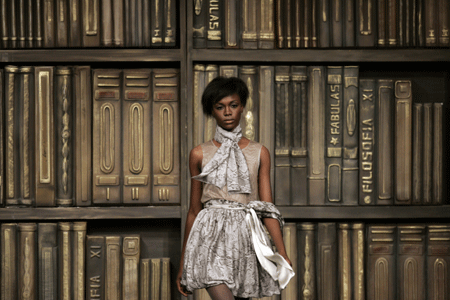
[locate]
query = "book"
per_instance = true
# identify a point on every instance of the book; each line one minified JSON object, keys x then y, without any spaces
{"x":4,"y":24}
{"x":29,"y":15}
{"x":287,"y":19}
{"x":27,"y":261}
{"x":420,"y":23}
{"x":401,"y":23}
{"x":127,"y":23}
{"x":324,"y":23}
{"x":298,"y":152}
{"x":145,"y":282}
{"x":367,"y":154}
{"x":62,"y":24}
{"x":106,"y":28}
{"x":358,"y":241}
{"x":384,"y":142}
{"x":78,"y":260}
{"x":21,"y":26}
{"x":345,"y":262}
{"x":316,"y":135}
{"x":166,"y":149}
{"x":313,"y":16}
{"x":327,"y":260}
{"x":418,"y":153}
{"x":155,"y":279}
{"x":74,"y":31}
{"x":44,"y":145}
{"x":49,"y":24}
{"x":82,"y":140}
{"x":307,"y":20}
{"x":403,"y":141}
{"x":133,"y":30}
{"x":95,"y":267}
{"x":349,"y":23}
{"x":146,"y":24}
{"x":63,"y":138}
{"x":280,"y":25}
{"x":437,"y":261}
{"x":47,"y":260}
{"x":306,"y":263}
{"x":136,"y":142}
{"x":411,"y":262}
{"x":431,"y":20}
{"x":337,"y":23}
{"x":250,"y":117}
{"x":165,"y":279}
{"x":381,"y":262}
{"x":427,"y":163}
{"x":282,"y":136}
{"x":266,"y":28}
{"x":106,"y":128}
{"x":443,"y":23}
{"x":170,"y":29}
{"x":200,"y":24}
{"x":333,"y":134}
{"x":13,"y":23}
{"x":118,"y":23}
{"x":38,"y":24}
{"x":90,"y":29}
{"x":138,"y":22}
{"x":290,"y":241}
{"x":249,"y":24}
{"x":350,"y":140}
{"x":2,"y":151}
{"x":197,"y":109}
{"x":382,"y":22}
{"x":9,"y":256}
{"x":211,"y":72}
{"x":437,"y":153}
{"x":113,"y":267}
{"x":130,"y":264}
{"x":365,"y":20}
{"x":298,"y":23}
{"x":215,"y":24}
{"x":65,"y":246}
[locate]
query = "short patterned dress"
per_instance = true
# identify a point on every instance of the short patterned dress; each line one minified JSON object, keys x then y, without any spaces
{"x":219,"y":248}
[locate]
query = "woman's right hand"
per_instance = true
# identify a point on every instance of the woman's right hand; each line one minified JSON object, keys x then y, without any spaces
{"x":181,"y":289}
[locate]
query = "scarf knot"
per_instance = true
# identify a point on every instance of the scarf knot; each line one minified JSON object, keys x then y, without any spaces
{"x":228,"y":165}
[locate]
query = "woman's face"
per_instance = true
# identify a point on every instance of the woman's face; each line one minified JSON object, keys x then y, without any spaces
{"x":227,"y":112}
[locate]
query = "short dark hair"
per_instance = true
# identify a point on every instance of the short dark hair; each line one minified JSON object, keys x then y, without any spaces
{"x":221,"y":87}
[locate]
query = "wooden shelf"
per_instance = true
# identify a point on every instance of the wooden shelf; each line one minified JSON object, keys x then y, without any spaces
{"x":388,"y":213}
{"x":89,"y":213}
{"x":91,"y":55}
{"x":321,"y":55}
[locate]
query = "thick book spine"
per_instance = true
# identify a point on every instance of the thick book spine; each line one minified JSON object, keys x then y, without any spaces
{"x":365,"y":23}
{"x":266,"y":83}
{"x":27,"y":281}
{"x":74,"y":23}
{"x":2,"y":142}
{"x":385,"y":142}
{"x":403,"y":141}
{"x":288,"y":23}
{"x":249,"y":24}
{"x":138,"y":21}
{"x":65,"y":244}
{"x":349,"y":29}
{"x":333,"y":135}
{"x":418,"y":154}
{"x":344,"y":262}
{"x":327,"y":261}
{"x":367,"y":154}
{"x":197,"y":110}
{"x":323,"y":22}
{"x":211,"y":72}
{"x":166,"y":149}
{"x":411,"y":251}
{"x":26,"y":107}
{"x":47,"y":260}
{"x":146,"y":35}
{"x":49,"y":24}
{"x":21,"y":26}
{"x":358,"y":267}
{"x":155,"y":279}
{"x":90,"y":30}
{"x":133,"y":29}
{"x":299,"y":152}
{"x":113,"y":258}
{"x":13,"y":34}
{"x":130,"y":262}
{"x":306,"y":276}
{"x":44,"y":184}
{"x":381,"y":262}
{"x":127,"y":22}
{"x":106,"y":30}
{"x":307,"y":20}
{"x":437,"y":153}
{"x":314,"y":32}
{"x":157,"y":19}
{"x":266,"y":28}
{"x":431,"y":23}
{"x":30,"y":16}
{"x":316,"y":135}
{"x":280,"y":26}
{"x":38,"y":23}
{"x":63,"y":138}
{"x":382,"y":22}
{"x":82,"y":142}
{"x":12,"y":152}
{"x":9,"y":256}
{"x":427,"y":153}
{"x":401,"y":23}
{"x":95,"y":267}
{"x":200,"y":24}
{"x":107,"y":132}
{"x":4,"y":24}
{"x":228,"y":71}
{"x":283,"y":136}
{"x":290,"y":240}
{"x":62,"y":24}
{"x":298,"y":22}
{"x":350,"y":140}
{"x":250,"y":117}
{"x":145,"y":279}
{"x":136,"y":144}
{"x":78,"y":260}
{"x":170,"y":25}
{"x":443,"y":23}
{"x":336,"y":23}
{"x":215,"y":24}
{"x":165,"y":278}
{"x":118,"y":23}
{"x":438,"y":261}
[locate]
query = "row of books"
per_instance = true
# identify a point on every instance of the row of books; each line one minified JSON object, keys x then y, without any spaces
{"x":269,"y":24}
{"x":87,"y":24}
{"x":338,"y":139}
{"x":49,"y":261}
{"x":73,"y":136}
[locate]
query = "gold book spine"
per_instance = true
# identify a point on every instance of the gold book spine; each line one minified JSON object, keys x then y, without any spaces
{"x":358,"y":241}
{"x":197,"y":110}
{"x":165,"y":278}
{"x":130,"y":264}
{"x":437,"y":153}
{"x":144,"y":279}
{"x":250,"y":118}
{"x":65,"y":244}
{"x":9,"y":257}
{"x":438,"y":261}
{"x":78,"y":260}
{"x":427,"y":153}
{"x":211,"y":72}
{"x":113,"y":248}
{"x":155,"y":279}
{"x":290,"y":241}
{"x":345,"y":262}
{"x":27,"y":282}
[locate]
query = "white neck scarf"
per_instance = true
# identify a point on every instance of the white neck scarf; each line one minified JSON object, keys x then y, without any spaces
{"x":228,"y":165}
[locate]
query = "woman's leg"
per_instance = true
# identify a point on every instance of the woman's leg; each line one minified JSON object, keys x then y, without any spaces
{"x":220,"y":292}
